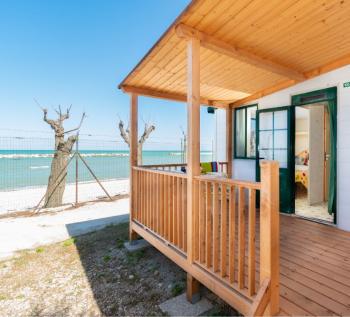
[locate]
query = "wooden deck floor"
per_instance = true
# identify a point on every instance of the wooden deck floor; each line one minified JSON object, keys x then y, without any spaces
{"x":314,"y":269}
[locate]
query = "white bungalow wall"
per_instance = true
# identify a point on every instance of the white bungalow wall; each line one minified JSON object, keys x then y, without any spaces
{"x":245,"y":169}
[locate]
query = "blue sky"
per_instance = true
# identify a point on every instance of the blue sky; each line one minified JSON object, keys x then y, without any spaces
{"x":76,"y":52}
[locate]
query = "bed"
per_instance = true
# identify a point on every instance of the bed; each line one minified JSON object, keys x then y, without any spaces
{"x":302,"y":168}
{"x":302,"y":175}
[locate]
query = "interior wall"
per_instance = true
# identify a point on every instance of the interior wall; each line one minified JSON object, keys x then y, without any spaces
{"x":316,"y":155}
{"x":245,"y":169}
{"x":302,"y":134}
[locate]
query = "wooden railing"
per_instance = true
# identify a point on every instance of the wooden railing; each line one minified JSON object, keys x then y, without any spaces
{"x":166,"y":167}
{"x":222,"y":167}
{"x":222,"y":224}
{"x":234,"y":249}
{"x":161,"y":203}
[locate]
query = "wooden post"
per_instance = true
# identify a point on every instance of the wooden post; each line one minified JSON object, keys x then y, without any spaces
{"x":133,"y":157}
{"x":229,"y":145}
{"x":269,"y":232}
{"x":193,"y":154}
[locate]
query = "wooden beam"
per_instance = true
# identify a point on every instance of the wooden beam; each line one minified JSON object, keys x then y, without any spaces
{"x":171,"y":96}
{"x":261,"y":300}
{"x":192,"y":292}
{"x":233,"y":51}
{"x":341,"y":62}
{"x":270,"y":232}
{"x":229,"y":141}
{"x":193,"y":155}
{"x":133,"y":156}
{"x":193,"y":133}
{"x":264,"y":92}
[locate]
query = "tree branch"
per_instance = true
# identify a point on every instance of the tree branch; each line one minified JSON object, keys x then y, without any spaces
{"x":124,"y":134}
{"x":146,"y":133}
{"x":55,"y":125}
{"x":81,"y":122}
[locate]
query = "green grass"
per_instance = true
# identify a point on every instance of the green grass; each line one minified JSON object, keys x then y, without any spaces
{"x":120,"y":243}
{"x":177,"y":289}
{"x":69,"y":242}
{"x":134,"y":257}
{"x":39,"y":250}
{"x":3,"y":297}
{"x":107,"y":258}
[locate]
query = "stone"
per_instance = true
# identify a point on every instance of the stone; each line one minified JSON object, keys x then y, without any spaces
{"x":136,"y":245}
{"x":179,"y":306}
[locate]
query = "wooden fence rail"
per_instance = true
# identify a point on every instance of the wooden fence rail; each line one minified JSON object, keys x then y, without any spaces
{"x":178,"y":167}
{"x":235,"y":249}
{"x":161,"y":203}
{"x":225,"y":231}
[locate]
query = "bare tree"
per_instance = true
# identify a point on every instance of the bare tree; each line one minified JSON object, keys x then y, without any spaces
{"x":125,"y":134}
{"x":63,"y":149}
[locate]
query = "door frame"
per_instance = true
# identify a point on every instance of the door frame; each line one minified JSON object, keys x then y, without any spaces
{"x":290,"y":147}
{"x":313,"y":97}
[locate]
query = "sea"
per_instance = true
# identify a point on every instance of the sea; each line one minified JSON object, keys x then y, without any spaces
{"x":31,"y":168}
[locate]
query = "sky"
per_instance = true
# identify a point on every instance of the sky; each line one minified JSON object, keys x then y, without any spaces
{"x":77,"y":52}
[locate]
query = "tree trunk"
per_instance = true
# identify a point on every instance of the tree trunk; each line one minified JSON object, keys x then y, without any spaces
{"x":139,"y":154}
{"x":57,"y":180}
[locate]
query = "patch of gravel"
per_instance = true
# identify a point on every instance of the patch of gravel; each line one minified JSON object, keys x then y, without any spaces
{"x":91,"y":275}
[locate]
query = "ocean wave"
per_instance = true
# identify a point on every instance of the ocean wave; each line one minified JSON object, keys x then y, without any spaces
{"x":39,"y":167}
{"x":48,"y":155}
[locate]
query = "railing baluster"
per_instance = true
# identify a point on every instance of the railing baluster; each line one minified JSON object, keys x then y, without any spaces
{"x":251,"y":243}
{"x":178,"y":213}
{"x":175,"y":214}
{"x":208,"y":237}
{"x":196,"y":219}
{"x":241,"y":237}
{"x":184,"y":212}
{"x":216,"y":227}
{"x":165,"y":219}
{"x":223,"y":230}
{"x":232,"y":233}
{"x":161,"y":205}
{"x":171,"y":210}
{"x":202,"y":221}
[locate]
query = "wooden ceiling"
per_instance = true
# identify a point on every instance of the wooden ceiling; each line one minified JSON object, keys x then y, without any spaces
{"x":249,"y":48}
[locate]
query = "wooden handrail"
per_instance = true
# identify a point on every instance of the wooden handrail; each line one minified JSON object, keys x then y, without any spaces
{"x":169,"y":173}
{"x":228,"y":181}
{"x":164,"y":165}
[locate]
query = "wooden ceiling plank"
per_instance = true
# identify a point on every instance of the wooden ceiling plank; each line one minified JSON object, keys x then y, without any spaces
{"x":243,"y":31}
{"x":212,"y":43}
{"x":286,"y":41}
{"x":343,"y":61}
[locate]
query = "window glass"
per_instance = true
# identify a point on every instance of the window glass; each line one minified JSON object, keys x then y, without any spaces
{"x":251,"y":124}
{"x":240,"y":133}
{"x":245,"y":132}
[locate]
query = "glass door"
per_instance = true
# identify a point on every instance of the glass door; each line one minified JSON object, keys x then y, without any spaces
{"x":274,"y":142}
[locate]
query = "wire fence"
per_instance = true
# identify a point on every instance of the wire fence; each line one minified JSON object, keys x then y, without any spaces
{"x":25,"y":164}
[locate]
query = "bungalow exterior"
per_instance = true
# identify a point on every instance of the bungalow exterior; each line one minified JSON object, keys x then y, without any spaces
{"x":227,"y":233}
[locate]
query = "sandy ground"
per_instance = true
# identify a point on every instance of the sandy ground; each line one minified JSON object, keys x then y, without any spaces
{"x":92,"y":275}
{"x":28,"y":198}
{"x":29,"y":232}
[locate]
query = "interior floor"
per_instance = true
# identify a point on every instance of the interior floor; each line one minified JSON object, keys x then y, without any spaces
{"x":316,"y":211}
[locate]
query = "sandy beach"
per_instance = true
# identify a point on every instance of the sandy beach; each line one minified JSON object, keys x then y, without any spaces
{"x":28,"y":198}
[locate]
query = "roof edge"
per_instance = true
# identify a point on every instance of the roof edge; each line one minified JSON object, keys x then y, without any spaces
{"x":172,"y":25}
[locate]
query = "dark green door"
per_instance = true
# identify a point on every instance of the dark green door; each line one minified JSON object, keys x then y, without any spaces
{"x":275,"y":130}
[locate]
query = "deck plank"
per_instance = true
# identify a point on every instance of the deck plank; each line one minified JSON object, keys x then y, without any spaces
{"x":315,"y":267}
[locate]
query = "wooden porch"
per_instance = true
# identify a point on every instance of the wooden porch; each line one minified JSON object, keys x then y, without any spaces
{"x":314,"y":258}
{"x":224,"y":54}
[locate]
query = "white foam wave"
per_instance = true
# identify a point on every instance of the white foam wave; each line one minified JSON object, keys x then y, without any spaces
{"x":47,"y":155}
{"x":38,"y":167}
